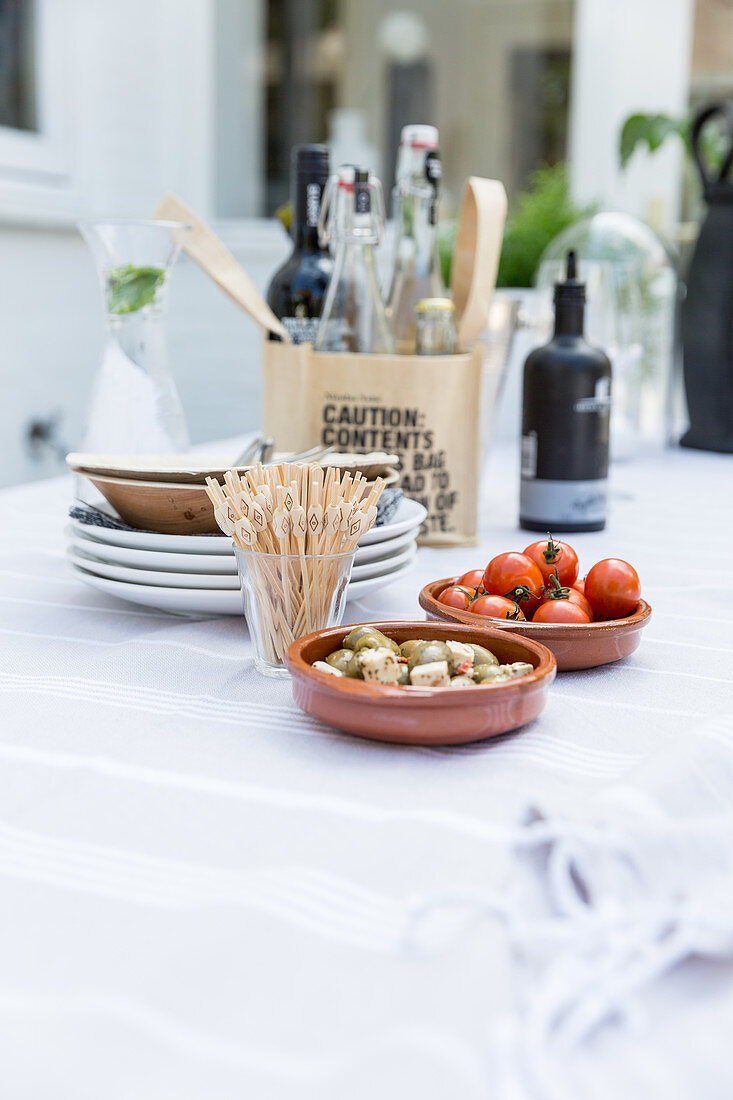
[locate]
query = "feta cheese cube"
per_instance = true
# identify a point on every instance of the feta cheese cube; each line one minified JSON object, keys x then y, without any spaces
{"x":379,"y":666}
{"x":461,"y":652}
{"x":519,"y":668}
{"x":433,"y":674}
{"x":322,"y":666}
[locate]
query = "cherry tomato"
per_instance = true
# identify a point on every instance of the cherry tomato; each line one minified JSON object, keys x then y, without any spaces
{"x":553,"y":556}
{"x":497,"y":607}
{"x":454,"y":596}
{"x":508,"y":572}
{"x":580,"y":585}
{"x":612,"y":588}
{"x":575,"y":596}
{"x":560,"y":611}
{"x":556,"y":591}
{"x":473,"y":579}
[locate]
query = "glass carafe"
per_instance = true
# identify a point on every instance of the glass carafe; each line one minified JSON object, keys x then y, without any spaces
{"x":354,"y":318}
{"x":135,"y":407}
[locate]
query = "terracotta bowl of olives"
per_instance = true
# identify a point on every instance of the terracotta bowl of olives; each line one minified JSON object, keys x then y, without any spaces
{"x":505,"y":682}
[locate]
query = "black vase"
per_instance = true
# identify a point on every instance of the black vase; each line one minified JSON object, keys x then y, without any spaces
{"x":707,"y":311}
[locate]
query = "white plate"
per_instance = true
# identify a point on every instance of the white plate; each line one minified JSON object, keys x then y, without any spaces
{"x":204,"y":563}
{"x":409,"y":515}
{"x":379,"y":550}
{"x":150,"y":559}
{"x":383,"y":566}
{"x":177,"y":579}
{"x":159,"y":577}
{"x":202,"y":601}
{"x":147,"y":540}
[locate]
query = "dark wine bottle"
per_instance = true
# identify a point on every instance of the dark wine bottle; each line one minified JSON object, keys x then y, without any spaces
{"x":298,"y":288}
{"x":565,"y":423}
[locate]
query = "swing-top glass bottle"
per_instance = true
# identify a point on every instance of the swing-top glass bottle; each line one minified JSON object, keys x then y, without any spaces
{"x":354,"y":318}
{"x":417,"y":265}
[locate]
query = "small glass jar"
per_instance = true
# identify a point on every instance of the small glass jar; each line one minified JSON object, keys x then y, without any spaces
{"x":436,"y":327}
{"x":288,"y":595}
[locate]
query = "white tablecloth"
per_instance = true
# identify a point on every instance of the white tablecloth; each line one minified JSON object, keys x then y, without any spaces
{"x":206,"y":894}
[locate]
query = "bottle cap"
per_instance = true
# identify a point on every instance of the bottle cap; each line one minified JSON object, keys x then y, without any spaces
{"x":571,"y":289}
{"x":310,"y":158}
{"x":435,"y":305}
{"x":419,"y":136}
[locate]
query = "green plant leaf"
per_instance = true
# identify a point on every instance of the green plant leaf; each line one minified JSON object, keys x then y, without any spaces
{"x":130,"y":288}
{"x":536,"y":218}
{"x":650,"y":132}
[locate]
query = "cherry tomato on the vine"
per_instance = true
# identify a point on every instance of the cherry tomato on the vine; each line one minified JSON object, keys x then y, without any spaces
{"x":560,"y":611}
{"x":497,"y":607}
{"x":553,"y":556}
{"x":455,"y":596}
{"x":612,"y":588}
{"x":507,"y":573}
{"x":473,"y":579}
{"x":556,"y":591}
{"x":577,"y":597}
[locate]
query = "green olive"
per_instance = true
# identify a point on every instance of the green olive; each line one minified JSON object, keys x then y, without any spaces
{"x":488,"y":674}
{"x":428,"y":652}
{"x":483,"y":656}
{"x":345,"y":661}
{"x":462,"y":682}
{"x":406,"y":649}
{"x":356,"y":634}
{"x":377,"y":640}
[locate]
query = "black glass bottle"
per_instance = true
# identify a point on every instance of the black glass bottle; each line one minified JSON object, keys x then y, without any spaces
{"x":298,"y":288}
{"x":565,"y":423}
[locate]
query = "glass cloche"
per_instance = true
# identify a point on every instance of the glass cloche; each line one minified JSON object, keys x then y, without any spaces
{"x":631,"y":288}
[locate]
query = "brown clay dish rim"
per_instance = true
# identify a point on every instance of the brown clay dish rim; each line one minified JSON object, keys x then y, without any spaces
{"x":389,"y":478}
{"x":401,"y":696}
{"x":429,"y":602}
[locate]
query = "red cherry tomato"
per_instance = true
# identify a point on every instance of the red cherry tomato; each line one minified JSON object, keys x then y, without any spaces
{"x":560,"y":611}
{"x":497,"y":607}
{"x":577,"y":597}
{"x":580,"y":585}
{"x":454,"y":596}
{"x":508,"y":572}
{"x":553,"y":556}
{"x":473,"y":579}
{"x":556,"y":591}
{"x":612,"y":588}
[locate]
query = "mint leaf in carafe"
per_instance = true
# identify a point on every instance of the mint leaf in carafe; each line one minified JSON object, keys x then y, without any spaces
{"x":129,"y":288}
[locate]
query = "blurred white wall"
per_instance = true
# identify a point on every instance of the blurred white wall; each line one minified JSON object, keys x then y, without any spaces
{"x":628,"y":56}
{"x":130,"y":99}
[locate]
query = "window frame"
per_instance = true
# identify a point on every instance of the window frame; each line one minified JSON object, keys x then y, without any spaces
{"x":38,"y":167}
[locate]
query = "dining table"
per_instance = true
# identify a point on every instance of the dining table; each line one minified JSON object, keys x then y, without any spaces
{"x":207,"y":894}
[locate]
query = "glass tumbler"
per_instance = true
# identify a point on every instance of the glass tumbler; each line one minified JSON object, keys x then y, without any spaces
{"x":288,"y":595}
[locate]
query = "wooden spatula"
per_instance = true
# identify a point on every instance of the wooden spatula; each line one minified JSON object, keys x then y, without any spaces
{"x":203,"y":246}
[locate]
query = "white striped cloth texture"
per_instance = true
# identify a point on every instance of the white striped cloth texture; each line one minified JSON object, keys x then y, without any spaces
{"x":205,"y":893}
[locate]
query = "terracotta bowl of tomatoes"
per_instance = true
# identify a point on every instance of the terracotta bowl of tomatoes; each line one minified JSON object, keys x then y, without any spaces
{"x":537,"y":594}
{"x":575,"y":645}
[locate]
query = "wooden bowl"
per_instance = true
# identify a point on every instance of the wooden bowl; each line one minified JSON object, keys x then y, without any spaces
{"x":575,"y":645}
{"x":167,"y":507}
{"x":422,"y":716}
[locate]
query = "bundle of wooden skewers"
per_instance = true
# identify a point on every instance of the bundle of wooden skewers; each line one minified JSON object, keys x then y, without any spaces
{"x":291,"y":516}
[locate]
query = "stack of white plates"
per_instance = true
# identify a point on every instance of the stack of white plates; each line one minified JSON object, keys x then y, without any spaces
{"x":197,"y":574}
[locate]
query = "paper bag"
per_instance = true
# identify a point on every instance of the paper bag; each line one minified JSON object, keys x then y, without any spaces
{"x":423,"y":408}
